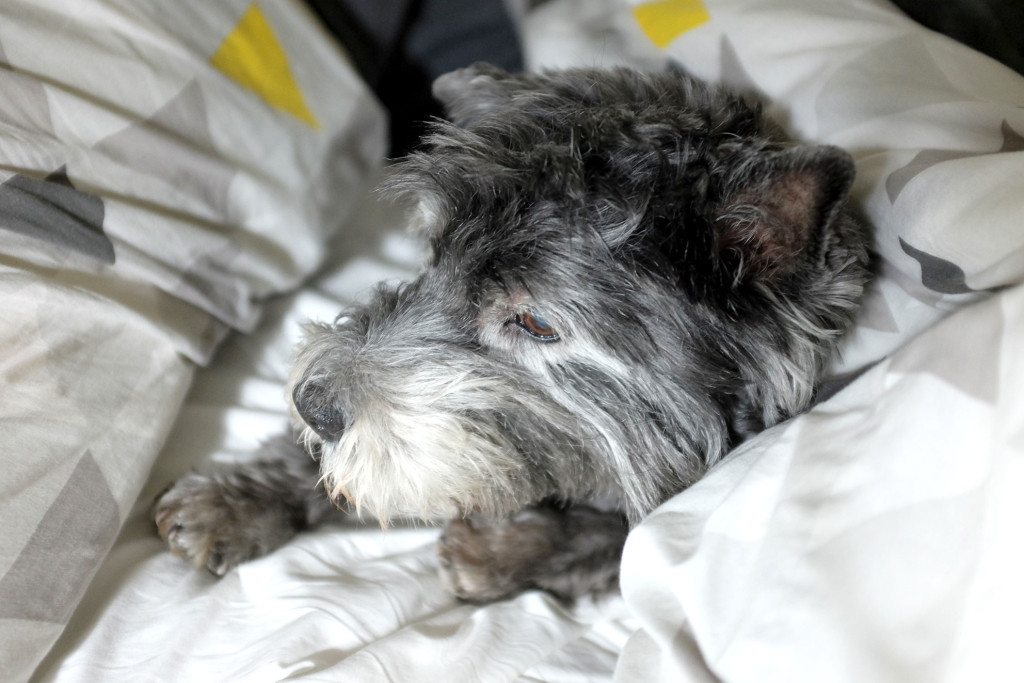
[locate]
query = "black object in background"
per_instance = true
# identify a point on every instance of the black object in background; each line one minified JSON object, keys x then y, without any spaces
{"x":401,"y":46}
{"x":994,"y":27}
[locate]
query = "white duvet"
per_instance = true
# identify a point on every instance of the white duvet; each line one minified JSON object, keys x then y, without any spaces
{"x":876,"y":538}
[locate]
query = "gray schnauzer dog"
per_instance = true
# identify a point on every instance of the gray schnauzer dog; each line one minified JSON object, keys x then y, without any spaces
{"x":629,"y":273}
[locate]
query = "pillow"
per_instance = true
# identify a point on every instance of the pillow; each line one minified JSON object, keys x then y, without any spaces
{"x":163,"y":168}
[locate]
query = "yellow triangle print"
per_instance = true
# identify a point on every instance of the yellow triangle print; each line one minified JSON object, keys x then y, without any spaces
{"x":252,"y":56}
{"x":665,"y":20}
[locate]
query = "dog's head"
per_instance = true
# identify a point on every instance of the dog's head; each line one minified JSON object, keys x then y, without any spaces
{"x":628,"y":272}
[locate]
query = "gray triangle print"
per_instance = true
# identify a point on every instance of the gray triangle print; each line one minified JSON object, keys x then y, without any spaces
{"x":48,"y":578}
{"x":54,"y":211}
{"x":938,"y":274}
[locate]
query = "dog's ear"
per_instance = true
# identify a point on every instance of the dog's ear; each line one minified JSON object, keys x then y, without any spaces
{"x":470,"y":93}
{"x":772,"y":206}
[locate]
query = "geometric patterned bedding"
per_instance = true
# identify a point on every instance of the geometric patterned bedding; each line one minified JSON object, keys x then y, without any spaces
{"x":164,"y":167}
{"x":874,"y":538}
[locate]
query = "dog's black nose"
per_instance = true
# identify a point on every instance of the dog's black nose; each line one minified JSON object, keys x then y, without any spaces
{"x":319,"y":411}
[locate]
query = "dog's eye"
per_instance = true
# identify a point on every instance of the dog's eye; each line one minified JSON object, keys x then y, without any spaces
{"x":536,"y":326}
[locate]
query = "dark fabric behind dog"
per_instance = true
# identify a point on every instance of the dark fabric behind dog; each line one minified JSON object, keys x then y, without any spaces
{"x":994,"y":27}
{"x":401,"y":46}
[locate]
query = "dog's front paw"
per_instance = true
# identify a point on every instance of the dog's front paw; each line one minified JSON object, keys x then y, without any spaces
{"x":485,"y":559}
{"x":220,"y":522}
{"x":568,"y":551}
{"x":471,"y":565}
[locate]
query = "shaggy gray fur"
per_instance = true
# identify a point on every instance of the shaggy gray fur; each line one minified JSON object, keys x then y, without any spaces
{"x":630,"y":272}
